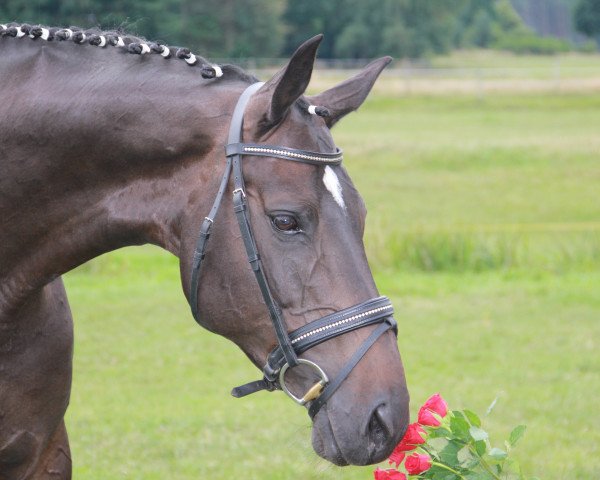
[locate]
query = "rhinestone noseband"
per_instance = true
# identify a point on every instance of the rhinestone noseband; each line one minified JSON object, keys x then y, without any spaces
{"x":377,"y":311}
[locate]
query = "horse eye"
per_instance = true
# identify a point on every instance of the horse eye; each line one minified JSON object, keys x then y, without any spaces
{"x":286,"y":223}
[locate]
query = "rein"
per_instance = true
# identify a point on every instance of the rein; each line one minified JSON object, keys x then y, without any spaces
{"x":285,"y":356}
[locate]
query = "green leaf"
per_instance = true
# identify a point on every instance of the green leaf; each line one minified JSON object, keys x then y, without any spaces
{"x":439,"y":432}
{"x":477,"y":476}
{"x":458,"y":413}
{"x":460,"y":428}
{"x":436,"y":444}
{"x":516,"y":434}
{"x":466,"y":458}
{"x":498,"y":454}
{"x":480,"y":447}
{"x":448,"y":455}
{"x":442,"y":474}
{"x":478,"y":434}
{"x":473,"y":418}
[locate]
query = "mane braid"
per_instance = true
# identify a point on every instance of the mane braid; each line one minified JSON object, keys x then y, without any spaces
{"x":129,"y":43}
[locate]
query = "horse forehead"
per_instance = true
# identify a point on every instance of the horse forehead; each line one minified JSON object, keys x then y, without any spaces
{"x":297,"y":176}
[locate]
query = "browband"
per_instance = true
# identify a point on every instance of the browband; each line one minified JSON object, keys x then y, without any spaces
{"x":304,"y":156}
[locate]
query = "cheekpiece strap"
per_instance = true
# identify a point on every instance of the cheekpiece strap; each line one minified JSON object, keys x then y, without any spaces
{"x":240,"y":207}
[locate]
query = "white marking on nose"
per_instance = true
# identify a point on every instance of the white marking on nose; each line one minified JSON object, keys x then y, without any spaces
{"x":332,"y":183}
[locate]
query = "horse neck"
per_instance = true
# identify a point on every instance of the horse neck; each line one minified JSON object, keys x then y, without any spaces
{"x":99,"y":152}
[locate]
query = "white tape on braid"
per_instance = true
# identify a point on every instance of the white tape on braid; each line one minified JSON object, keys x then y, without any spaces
{"x":102,"y":41}
{"x":2,"y":26}
{"x":191,"y":59}
{"x":312,"y":109}
{"x":120,"y":42}
{"x":165,"y":52}
{"x":83,"y":37}
{"x":218,"y":71}
{"x":69,"y":33}
{"x":45,"y":34}
{"x":145,"y":48}
{"x":20,"y":32}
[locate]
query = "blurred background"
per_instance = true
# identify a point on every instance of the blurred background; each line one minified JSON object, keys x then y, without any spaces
{"x":478,"y":157}
{"x":353,"y":28}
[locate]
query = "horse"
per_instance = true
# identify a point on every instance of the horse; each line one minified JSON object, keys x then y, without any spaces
{"x":108,"y":140}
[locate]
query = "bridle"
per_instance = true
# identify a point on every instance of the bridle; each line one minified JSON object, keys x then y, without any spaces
{"x":285,"y":356}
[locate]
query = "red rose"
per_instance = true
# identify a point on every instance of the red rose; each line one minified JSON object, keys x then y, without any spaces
{"x":417,"y":463}
{"x":391,"y":474}
{"x":427,"y":418}
{"x":397,"y":456}
{"x":435,"y":404}
{"x":415,"y":435}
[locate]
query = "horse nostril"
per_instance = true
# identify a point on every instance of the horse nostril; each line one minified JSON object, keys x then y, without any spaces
{"x":379,"y":427}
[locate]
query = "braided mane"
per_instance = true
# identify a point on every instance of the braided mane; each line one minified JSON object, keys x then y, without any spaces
{"x":137,"y":46}
{"x":118,"y":39}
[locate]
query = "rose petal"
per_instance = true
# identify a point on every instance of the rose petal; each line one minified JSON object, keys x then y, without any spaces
{"x":397,"y":456}
{"x":415,"y":435}
{"x":436,"y":404}
{"x":417,"y":463}
{"x":390,"y":474}
{"x":426,"y":417}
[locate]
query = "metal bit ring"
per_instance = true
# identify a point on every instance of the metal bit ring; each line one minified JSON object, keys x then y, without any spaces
{"x":313,"y":392}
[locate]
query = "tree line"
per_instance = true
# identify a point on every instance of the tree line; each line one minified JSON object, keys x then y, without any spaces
{"x":272,"y":28}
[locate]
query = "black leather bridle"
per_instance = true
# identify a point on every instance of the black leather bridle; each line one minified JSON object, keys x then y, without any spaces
{"x":285,"y":356}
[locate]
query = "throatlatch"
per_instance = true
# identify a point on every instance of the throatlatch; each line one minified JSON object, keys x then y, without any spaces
{"x":285,"y":356}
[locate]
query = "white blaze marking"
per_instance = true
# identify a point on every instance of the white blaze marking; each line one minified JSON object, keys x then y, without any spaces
{"x":332,"y":183}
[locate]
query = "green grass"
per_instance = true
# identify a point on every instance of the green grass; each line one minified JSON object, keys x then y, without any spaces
{"x":510,"y":177}
{"x":534,"y":66}
{"x":482,"y":228}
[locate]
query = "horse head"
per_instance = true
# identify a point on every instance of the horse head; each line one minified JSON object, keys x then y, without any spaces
{"x":307,"y":221}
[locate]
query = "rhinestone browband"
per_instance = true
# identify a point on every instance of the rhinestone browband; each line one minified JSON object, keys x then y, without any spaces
{"x":304,"y":156}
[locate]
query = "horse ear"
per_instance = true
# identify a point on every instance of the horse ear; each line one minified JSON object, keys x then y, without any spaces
{"x":350,"y":94}
{"x":290,"y":82}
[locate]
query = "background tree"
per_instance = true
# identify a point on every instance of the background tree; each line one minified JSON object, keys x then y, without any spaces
{"x":587,"y":18}
{"x":352,"y":28}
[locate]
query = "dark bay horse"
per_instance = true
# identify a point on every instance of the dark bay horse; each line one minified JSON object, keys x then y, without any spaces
{"x":106,"y":141}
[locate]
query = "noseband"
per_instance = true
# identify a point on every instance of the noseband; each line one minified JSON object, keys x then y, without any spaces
{"x":285,"y":356}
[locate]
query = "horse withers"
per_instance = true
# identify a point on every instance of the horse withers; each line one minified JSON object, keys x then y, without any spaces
{"x":107,"y":140}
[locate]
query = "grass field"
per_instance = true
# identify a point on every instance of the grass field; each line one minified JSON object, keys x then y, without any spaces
{"x":483,"y":228}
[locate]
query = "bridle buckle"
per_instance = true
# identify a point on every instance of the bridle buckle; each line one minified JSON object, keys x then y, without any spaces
{"x":313,"y":392}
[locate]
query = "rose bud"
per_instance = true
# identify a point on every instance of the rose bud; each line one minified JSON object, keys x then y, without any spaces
{"x":390,"y":474}
{"x":417,"y":463}
{"x":397,"y":456}
{"x":415,"y":435}
{"x":434,"y":405}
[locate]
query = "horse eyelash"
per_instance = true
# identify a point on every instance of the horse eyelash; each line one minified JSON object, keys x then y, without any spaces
{"x":101,"y":40}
